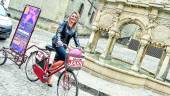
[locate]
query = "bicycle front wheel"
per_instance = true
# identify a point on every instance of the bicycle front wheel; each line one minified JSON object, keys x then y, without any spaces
{"x":3,"y":56}
{"x":29,"y":68}
{"x":67,"y":84}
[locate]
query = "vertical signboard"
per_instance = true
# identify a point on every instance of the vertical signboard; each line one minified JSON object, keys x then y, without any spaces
{"x":25,"y":29}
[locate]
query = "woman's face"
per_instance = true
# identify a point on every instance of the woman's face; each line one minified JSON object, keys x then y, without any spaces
{"x":73,"y":18}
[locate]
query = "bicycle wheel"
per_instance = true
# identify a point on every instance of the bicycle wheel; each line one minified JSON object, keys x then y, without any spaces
{"x":29,"y":68}
{"x":3,"y":57}
{"x":67,"y":84}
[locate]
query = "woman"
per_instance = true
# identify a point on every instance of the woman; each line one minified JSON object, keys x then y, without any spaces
{"x":65,"y":32}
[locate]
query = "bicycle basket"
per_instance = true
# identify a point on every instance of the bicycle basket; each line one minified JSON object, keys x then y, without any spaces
{"x":40,"y":58}
{"x":75,"y":59}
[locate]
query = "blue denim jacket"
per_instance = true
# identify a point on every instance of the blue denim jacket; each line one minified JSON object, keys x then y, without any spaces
{"x":64,"y":34}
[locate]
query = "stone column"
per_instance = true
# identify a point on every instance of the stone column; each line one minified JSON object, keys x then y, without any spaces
{"x":162,"y":62}
{"x":110,"y":44}
{"x":94,"y":37}
{"x":113,"y":35}
{"x":165,"y":66}
{"x":141,"y":52}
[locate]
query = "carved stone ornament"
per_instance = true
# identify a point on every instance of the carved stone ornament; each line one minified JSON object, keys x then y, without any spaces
{"x":106,"y":21}
{"x":145,"y":38}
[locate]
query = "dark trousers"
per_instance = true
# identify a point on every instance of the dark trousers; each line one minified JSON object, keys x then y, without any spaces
{"x":60,"y":53}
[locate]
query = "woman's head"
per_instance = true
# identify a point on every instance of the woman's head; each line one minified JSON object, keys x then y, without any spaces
{"x":73,"y":18}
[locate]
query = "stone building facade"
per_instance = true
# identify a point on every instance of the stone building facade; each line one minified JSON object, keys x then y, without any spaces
{"x":54,"y":11}
{"x":5,"y":3}
{"x":149,"y":18}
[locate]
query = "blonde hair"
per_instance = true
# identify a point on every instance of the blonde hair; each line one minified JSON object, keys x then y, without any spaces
{"x":78,"y":16}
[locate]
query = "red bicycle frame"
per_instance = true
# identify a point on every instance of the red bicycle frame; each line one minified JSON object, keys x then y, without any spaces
{"x":44,"y":73}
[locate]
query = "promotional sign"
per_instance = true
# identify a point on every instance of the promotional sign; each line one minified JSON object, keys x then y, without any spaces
{"x":25,"y":29}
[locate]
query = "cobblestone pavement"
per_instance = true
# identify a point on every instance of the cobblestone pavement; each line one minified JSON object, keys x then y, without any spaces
{"x":14,"y":82}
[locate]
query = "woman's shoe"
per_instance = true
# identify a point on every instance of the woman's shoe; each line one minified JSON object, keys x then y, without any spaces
{"x":50,"y":85}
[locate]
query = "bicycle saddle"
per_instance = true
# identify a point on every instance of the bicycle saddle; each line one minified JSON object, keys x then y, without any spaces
{"x":49,"y":47}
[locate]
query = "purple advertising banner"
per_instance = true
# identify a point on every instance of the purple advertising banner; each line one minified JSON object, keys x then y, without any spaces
{"x":25,"y":29}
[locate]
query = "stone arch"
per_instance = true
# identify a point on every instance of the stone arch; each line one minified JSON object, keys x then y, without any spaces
{"x":125,"y":24}
{"x":130,"y":20}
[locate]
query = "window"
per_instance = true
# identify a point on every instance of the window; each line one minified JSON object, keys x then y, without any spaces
{"x":81,"y":9}
{"x":89,"y":13}
{"x":92,"y":17}
{"x":129,"y":31}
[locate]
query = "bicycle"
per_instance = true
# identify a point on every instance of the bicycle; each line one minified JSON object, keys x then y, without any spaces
{"x":3,"y":56}
{"x":7,"y":53}
{"x":38,"y":68}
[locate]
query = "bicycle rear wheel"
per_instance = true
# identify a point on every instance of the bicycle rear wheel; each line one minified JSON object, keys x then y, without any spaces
{"x":67,"y":84}
{"x":3,"y":56}
{"x":29,"y":68}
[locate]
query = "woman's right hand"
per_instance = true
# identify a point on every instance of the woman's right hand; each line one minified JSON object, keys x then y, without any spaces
{"x":60,"y":43}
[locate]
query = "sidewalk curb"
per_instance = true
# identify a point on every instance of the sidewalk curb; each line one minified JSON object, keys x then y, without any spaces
{"x":90,"y":90}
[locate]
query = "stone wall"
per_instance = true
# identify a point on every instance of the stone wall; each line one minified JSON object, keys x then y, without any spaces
{"x":55,"y":11}
{"x":51,"y":13}
{"x":84,"y":22}
{"x":164,"y":19}
{"x":143,"y":1}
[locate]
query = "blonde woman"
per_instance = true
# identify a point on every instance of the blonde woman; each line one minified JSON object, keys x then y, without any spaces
{"x":65,"y":32}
